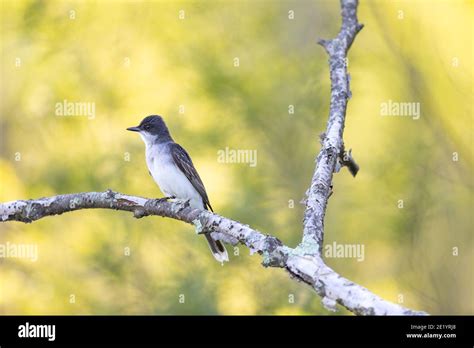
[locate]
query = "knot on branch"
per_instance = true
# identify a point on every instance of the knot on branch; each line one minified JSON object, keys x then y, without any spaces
{"x":139,"y":212}
{"x":346,"y":160}
{"x":33,"y":211}
{"x":110,"y":194}
{"x":273,"y":252}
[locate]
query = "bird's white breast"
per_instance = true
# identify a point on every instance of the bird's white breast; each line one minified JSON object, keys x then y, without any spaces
{"x":169,"y":177}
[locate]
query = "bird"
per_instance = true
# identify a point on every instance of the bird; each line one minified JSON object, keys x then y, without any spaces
{"x":173,"y":171}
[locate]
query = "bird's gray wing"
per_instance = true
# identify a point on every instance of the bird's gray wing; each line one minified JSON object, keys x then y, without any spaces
{"x":185,"y":164}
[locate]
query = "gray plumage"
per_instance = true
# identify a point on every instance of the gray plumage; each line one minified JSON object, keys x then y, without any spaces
{"x":173,"y":170}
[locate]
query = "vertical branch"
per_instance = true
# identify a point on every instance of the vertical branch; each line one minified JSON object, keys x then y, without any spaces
{"x":332,"y":140}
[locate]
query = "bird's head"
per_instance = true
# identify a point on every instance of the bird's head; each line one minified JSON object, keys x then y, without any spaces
{"x":152,"y":129}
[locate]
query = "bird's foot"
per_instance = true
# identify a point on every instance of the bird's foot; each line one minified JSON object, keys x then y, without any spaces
{"x":183,"y":202}
{"x":180,"y":204}
{"x":164,"y":199}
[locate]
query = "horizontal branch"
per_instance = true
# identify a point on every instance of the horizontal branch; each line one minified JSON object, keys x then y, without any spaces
{"x":307,"y":268}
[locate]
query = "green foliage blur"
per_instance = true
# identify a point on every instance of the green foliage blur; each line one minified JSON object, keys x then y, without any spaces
{"x":410,"y":206}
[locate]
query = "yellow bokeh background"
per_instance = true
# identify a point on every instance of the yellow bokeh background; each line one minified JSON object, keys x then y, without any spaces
{"x":132,"y":59}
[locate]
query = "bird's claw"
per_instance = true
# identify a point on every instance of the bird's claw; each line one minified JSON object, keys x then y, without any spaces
{"x":164,"y":199}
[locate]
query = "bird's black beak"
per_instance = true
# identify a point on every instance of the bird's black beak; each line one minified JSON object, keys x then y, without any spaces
{"x":134,"y":129}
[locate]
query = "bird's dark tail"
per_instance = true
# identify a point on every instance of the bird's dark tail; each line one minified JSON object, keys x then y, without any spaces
{"x":218,"y":249}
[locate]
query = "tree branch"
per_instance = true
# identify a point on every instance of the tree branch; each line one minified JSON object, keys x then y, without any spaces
{"x":303,"y":263}
{"x":309,"y":269}
{"x":331,"y":141}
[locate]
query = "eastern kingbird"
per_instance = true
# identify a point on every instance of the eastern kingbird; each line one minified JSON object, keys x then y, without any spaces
{"x":173,"y":170}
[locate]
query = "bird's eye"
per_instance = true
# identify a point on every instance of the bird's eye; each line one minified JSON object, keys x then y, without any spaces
{"x":147,"y":127}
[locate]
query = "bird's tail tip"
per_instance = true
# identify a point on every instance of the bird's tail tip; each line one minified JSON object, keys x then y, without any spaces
{"x":218,"y":249}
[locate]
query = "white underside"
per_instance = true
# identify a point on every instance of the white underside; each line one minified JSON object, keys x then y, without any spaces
{"x":170,"y":178}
